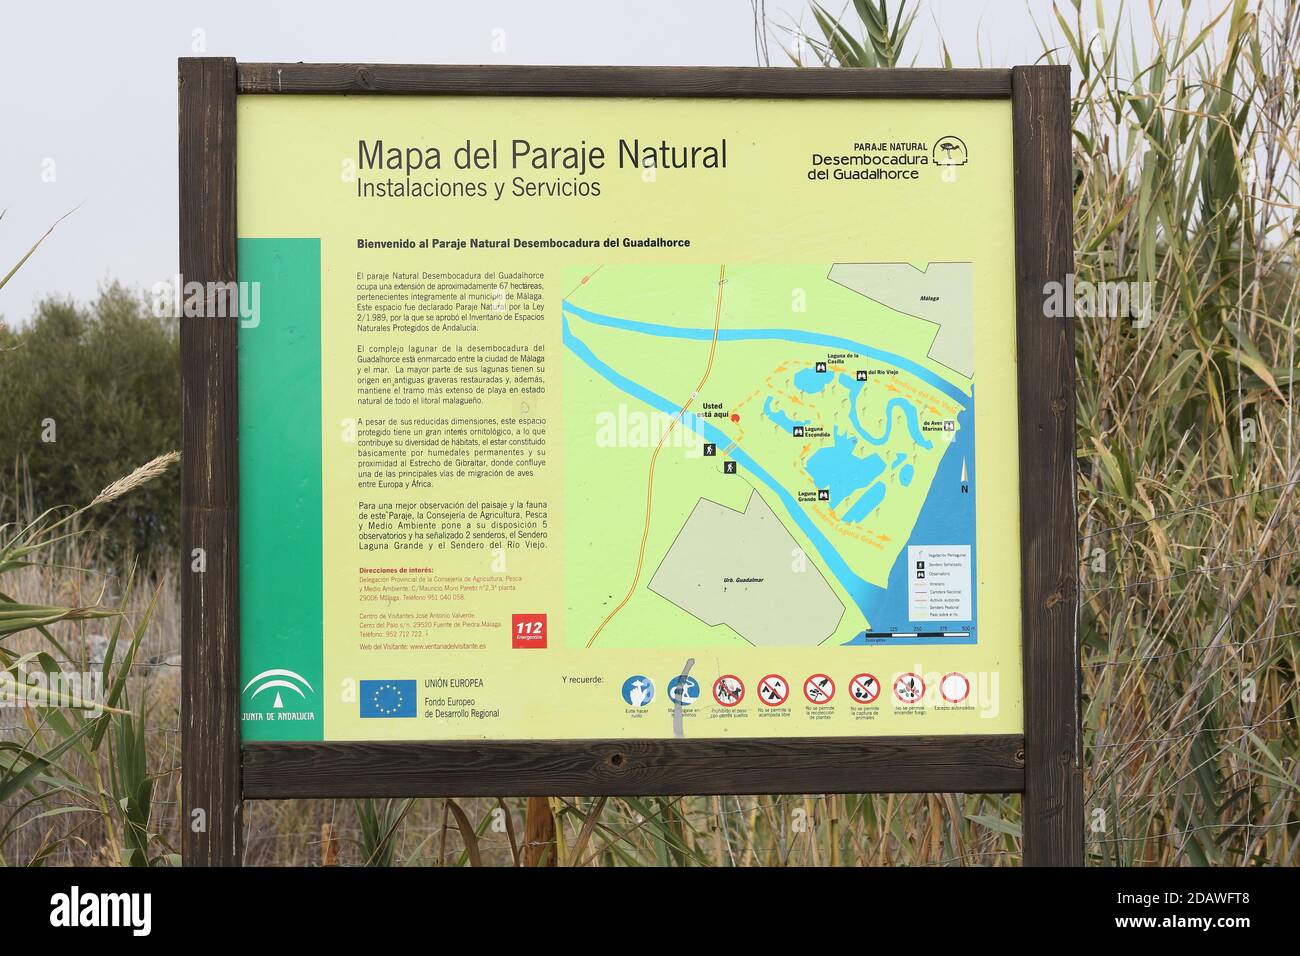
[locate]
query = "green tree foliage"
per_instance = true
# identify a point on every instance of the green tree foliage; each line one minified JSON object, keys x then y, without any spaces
{"x":102,"y":380}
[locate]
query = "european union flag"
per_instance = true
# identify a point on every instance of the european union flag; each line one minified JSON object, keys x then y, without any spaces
{"x":388,"y":698}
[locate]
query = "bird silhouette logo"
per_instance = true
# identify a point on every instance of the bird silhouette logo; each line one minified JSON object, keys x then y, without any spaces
{"x":949,"y":151}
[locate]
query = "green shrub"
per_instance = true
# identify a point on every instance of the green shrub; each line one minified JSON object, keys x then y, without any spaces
{"x":102,"y":381}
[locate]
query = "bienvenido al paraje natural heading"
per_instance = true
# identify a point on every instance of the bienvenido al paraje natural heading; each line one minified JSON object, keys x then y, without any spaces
{"x":566,"y":169}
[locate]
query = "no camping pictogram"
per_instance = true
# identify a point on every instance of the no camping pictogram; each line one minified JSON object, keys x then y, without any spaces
{"x":773,"y":690}
{"x":728,"y":690}
{"x":864,"y":689}
{"x":819,"y":689}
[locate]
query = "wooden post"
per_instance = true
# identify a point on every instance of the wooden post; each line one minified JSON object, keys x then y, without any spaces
{"x":329,"y":845}
{"x":1053,"y":800}
{"x":539,"y":833}
{"x":210,"y":785}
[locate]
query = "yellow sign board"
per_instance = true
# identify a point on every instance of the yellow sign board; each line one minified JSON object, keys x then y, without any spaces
{"x":627,"y":418}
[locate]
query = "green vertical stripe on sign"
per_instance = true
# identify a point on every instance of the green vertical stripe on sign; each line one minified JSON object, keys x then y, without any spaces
{"x":280,"y":618}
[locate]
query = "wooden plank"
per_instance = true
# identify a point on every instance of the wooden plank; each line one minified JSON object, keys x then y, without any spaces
{"x":210,"y":786}
{"x":984,"y":764}
{"x":1053,"y":802}
{"x":621,"y":81}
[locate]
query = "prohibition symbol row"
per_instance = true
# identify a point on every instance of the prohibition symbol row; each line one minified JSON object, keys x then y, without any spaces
{"x":774,"y":690}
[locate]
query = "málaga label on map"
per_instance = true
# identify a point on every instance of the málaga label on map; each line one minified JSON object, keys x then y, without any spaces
{"x":777,"y":455}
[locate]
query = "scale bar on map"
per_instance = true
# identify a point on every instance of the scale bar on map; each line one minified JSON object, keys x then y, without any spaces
{"x":911,"y":633}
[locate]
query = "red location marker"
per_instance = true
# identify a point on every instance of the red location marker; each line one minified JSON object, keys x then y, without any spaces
{"x":735,"y":416}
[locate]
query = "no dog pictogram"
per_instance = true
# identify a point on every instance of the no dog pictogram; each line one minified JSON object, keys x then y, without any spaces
{"x":728,"y":690}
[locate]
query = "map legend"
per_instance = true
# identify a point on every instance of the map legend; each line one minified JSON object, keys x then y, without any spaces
{"x":939,"y":588}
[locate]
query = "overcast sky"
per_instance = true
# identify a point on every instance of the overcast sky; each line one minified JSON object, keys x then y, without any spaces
{"x":88,"y":91}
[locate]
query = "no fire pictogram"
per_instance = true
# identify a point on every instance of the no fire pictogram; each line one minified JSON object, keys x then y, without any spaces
{"x":909,"y":688}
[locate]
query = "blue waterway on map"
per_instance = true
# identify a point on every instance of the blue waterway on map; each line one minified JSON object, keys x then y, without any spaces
{"x":909,"y":412}
{"x":778,"y":416}
{"x":838,"y":469}
{"x":787,"y":335}
{"x":947,"y":517}
{"x":905,"y":476}
{"x":898,"y":460}
{"x":870,"y":500}
{"x":810,"y":380}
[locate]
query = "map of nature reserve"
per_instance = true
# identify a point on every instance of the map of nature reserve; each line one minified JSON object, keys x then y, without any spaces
{"x":778,"y":456}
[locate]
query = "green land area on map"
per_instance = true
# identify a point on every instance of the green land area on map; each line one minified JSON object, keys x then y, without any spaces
{"x":790,"y":486}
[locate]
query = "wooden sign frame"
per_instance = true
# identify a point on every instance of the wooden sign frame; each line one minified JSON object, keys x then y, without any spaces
{"x":1044,"y":764}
